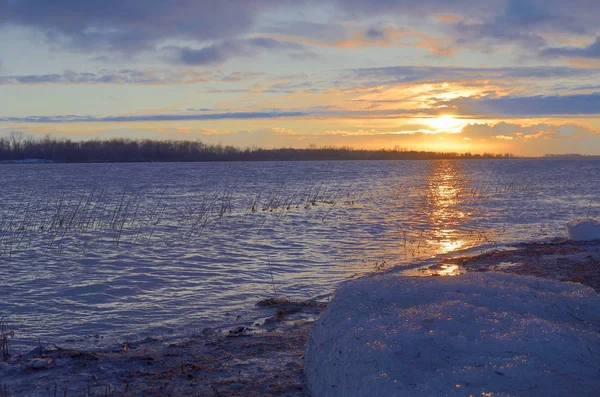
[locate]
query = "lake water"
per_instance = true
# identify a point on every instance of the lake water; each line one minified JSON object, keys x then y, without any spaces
{"x":94,"y":254}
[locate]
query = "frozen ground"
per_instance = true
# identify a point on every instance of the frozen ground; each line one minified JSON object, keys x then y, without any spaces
{"x":480,"y":334}
{"x":261,"y":359}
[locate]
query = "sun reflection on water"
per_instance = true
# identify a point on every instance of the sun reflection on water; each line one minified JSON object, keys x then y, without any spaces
{"x":449,"y":270}
{"x":435,"y":270}
{"x":450,"y":246}
{"x":445,"y":192}
{"x":446,"y":208}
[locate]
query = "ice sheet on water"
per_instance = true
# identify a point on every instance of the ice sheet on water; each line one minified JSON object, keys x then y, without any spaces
{"x":479,"y":334}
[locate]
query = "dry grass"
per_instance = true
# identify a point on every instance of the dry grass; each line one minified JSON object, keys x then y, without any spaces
{"x":5,"y":335}
{"x":4,"y":391}
{"x":101,"y":216}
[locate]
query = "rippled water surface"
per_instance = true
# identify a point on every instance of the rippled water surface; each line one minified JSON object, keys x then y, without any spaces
{"x":97,"y":253}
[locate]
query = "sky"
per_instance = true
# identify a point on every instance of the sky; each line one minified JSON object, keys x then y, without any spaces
{"x":499,"y":76}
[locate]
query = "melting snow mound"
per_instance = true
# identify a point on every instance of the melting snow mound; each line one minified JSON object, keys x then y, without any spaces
{"x":481,"y":334}
{"x":583,"y":230}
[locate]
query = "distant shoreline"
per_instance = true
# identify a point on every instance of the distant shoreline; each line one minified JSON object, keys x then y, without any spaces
{"x":275,"y":160}
{"x":27,"y":149}
{"x":23,"y":149}
{"x":270,"y":155}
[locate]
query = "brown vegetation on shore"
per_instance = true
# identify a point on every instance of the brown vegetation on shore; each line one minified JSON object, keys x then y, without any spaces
{"x":577,"y":262}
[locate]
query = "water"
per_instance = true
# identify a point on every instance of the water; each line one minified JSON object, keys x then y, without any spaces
{"x":93,"y":254}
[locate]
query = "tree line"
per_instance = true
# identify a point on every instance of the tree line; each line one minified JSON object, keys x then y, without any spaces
{"x":17,"y":147}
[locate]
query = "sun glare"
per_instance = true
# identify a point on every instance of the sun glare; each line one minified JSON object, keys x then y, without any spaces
{"x":445,"y":123}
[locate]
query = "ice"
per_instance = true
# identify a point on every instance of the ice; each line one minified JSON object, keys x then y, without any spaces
{"x":473,"y":334}
{"x":583,"y":230}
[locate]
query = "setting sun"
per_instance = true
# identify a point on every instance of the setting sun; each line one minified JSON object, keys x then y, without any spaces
{"x":442,"y":124}
{"x":446,"y":123}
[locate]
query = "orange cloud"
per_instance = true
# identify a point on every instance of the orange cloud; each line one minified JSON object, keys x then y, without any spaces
{"x":448,"y":18}
{"x":284,"y":131}
{"x":209,"y":131}
{"x":584,"y":63}
{"x":386,"y":37}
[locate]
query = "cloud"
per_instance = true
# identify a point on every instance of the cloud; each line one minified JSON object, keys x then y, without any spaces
{"x":514,"y":21}
{"x":205,"y":114}
{"x":155,"y":117}
{"x":503,"y":129}
{"x":591,"y":51}
{"x":573,"y":16}
{"x":511,"y":131}
{"x":585,"y":104}
{"x":495,"y":34}
{"x":288,"y":87}
{"x":491,"y":24}
{"x":132,"y":25}
{"x":208,"y":32}
{"x":222,"y":51}
{"x":358,"y":37}
{"x":477,"y":106}
{"x":422,"y":7}
{"x":306,"y":29}
{"x":126,"y":76}
{"x":374,"y":33}
{"x":407,"y":74}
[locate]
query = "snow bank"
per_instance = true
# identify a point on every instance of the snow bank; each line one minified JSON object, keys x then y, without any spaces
{"x":474,"y":334}
{"x":583,"y":230}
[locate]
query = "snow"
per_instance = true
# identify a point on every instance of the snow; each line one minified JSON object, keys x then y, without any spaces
{"x":473,"y":334}
{"x":583,"y":230}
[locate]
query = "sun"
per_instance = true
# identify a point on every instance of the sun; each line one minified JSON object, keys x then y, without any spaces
{"x":445,"y":123}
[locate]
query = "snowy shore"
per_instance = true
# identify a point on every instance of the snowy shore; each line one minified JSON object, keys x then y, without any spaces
{"x":473,"y":334}
{"x":507,"y":332}
{"x":479,"y":333}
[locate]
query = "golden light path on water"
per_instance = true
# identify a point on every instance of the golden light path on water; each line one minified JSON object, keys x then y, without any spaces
{"x":446,"y":186}
{"x":446,"y":198}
